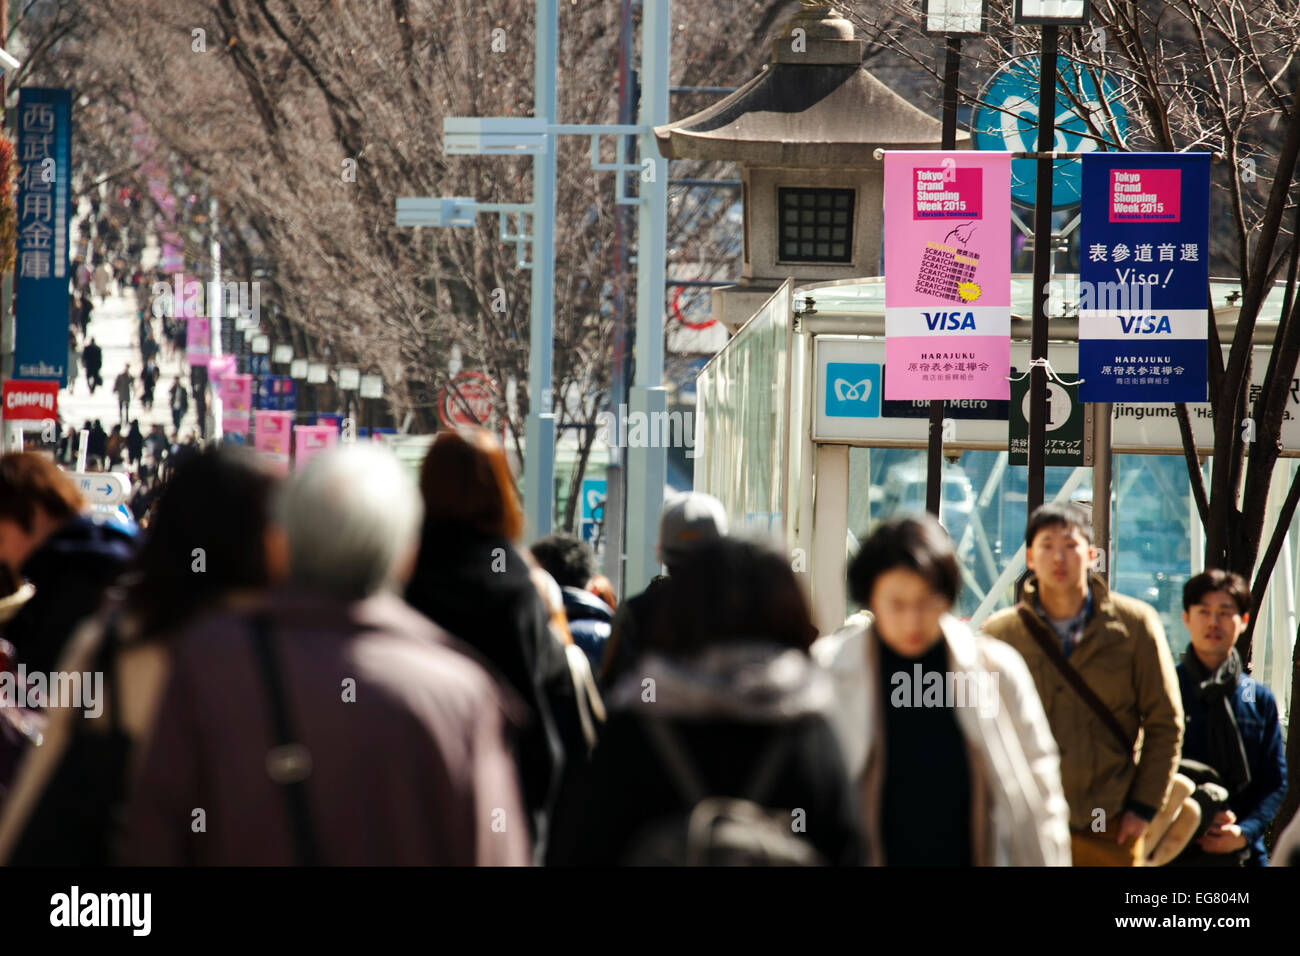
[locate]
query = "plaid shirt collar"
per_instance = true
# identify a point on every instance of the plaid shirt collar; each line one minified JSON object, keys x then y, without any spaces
{"x":1072,"y":632}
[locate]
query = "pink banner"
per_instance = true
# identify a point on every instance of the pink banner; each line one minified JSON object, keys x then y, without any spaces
{"x":947,"y":275}
{"x":310,"y":440}
{"x":271,"y":438}
{"x":236,"y":393}
{"x":219,"y":366}
{"x":198,"y":340}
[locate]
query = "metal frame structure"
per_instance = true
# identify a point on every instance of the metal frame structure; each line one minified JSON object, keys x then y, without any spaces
{"x":535,"y":136}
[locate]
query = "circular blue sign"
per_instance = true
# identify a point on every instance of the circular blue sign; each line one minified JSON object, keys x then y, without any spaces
{"x":1006,"y":119}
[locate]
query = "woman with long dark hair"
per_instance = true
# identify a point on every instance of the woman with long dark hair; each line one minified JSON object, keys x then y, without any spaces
{"x":205,"y":549}
{"x":471,"y":580}
{"x":721,"y":725}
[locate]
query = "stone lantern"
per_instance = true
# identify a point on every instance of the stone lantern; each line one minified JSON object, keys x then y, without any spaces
{"x":804,"y":132}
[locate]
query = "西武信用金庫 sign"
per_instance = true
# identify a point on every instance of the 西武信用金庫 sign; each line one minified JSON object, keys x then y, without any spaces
{"x":947,"y":275}
{"x":1144,"y":277}
{"x":41,"y":270}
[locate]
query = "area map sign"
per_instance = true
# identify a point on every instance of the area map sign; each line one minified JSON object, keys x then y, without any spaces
{"x":1144,"y":277}
{"x":947,"y":222}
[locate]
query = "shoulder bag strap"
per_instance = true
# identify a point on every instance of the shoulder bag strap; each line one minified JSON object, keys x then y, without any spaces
{"x":774,"y":760}
{"x":668,"y":747}
{"x":289,"y":762}
{"x":1052,"y":648}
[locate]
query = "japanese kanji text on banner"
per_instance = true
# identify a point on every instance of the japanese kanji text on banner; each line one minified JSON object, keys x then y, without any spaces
{"x":41,"y":279}
{"x":947,"y":275}
{"x":1144,"y":277}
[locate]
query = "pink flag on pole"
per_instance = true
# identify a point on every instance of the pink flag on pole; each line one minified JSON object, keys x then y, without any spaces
{"x":236,"y":393}
{"x":310,"y":440}
{"x":272,"y":435}
{"x":198,"y":340}
{"x":947,"y":275}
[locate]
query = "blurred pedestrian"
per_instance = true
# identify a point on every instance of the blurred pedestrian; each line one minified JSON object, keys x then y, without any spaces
{"x":148,"y":379}
{"x":1231,"y":723}
{"x":134,"y":443}
{"x":73,"y":360}
{"x":1106,"y":679}
{"x":179,"y":399}
{"x":102,"y":280}
{"x":688,"y":520}
{"x":68,"y":799}
{"x":739,"y":713}
{"x":370,"y":739}
{"x":92,"y":357}
{"x":122,"y":386}
{"x":471,"y":580}
{"x":572,"y":563}
{"x":944,"y":736}
{"x":115,"y":447}
{"x":48,"y":538}
{"x":97,"y":446}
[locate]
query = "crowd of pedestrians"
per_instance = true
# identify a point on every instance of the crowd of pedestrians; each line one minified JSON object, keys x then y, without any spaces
{"x":416,"y":688}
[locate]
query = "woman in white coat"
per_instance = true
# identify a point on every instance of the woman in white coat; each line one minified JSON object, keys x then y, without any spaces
{"x":943,"y":732}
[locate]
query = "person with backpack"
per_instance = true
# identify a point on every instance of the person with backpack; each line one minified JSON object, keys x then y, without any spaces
{"x":717,"y":748}
{"x":70,"y":792}
{"x":1105,"y":676}
{"x":943,"y":733}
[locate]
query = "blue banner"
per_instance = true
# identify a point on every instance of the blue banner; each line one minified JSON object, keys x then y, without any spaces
{"x":1144,"y":268}
{"x":41,"y":273}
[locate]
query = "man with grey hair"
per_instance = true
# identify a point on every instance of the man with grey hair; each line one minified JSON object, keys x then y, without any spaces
{"x":689,"y":519}
{"x":331,"y":723}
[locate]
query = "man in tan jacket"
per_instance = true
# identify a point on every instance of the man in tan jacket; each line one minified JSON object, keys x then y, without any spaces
{"x":1107,"y":683}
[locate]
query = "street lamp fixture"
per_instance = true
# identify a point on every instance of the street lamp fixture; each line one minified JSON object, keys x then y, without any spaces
{"x":424,"y":211}
{"x":494,"y":135}
{"x":1055,"y":13}
{"x":954,"y":17}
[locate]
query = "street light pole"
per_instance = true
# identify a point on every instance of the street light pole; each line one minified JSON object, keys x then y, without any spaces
{"x":1042,"y":268}
{"x":647,"y":467}
{"x":934,"y":451}
{"x":539,"y":471}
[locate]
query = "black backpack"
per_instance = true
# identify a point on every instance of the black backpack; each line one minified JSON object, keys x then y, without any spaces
{"x":718,"y":830}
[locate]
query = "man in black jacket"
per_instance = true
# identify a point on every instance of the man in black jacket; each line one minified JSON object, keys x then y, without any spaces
{"x":67,"y":556}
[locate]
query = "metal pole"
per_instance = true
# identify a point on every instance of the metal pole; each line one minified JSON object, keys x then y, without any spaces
{"x":1042,"y":269}
{"x":647,"y":468}
{"x":539,"y":470}
{"x":620,"y":377}
{"x":1101,"y":483}
{"x":216,"y":311}
{"x":934,"y":451}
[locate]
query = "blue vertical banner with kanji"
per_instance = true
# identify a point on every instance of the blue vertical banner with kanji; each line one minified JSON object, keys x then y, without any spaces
{"x":41,"y":271}
{"x":1144,"y":261}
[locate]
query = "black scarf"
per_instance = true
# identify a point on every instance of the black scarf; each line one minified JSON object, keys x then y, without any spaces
{"x":1215,"y":690}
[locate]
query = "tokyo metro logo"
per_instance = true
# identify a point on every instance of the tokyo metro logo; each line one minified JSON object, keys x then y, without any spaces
{"x":853,"y":389}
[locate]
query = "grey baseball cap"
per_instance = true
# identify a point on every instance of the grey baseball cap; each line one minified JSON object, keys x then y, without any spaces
{"x":688,"y":520}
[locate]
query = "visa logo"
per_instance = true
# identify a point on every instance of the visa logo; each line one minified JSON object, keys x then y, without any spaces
{"x":1144,"y":324}
{"x":949,"y":321}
